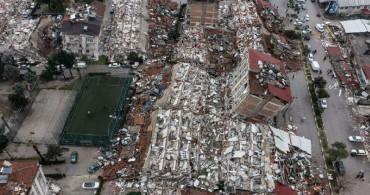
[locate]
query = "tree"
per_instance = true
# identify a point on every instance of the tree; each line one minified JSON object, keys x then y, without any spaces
{"x":49,"y":71}
{"x":65,"y":58}
{"x":345,"y":183}
{"x":134,"y":57}
{"x":17,"y":100}
{"x":319,"y":82}
{"x":53,"y":152}
{"x":19,"y":88}
{"x":30,"y":78}
{"x":11,"y":72}
{"x":120,"y":58}
{"x":4,"y":141}
{"x":337,"y":151}
{"x":322,"y":93}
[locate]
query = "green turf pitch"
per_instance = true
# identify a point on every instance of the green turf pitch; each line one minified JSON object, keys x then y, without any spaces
{"x":100,"y":95}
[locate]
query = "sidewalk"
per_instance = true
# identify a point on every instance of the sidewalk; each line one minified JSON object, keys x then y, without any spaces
{"x":22,"y":151}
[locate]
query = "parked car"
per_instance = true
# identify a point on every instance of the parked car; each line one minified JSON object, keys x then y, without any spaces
{"x":307,"y":17}
{"x":340,"y":168}
{"x":305,"y":35}
{"x":24,"y":67}
{"x":114,"y":65}
{"x":94,"y":167}
{"x":298,"y":23}
{"x":306,"y":28}
{"x":319,"y":27}
{"x":315,"y":66}
{"x":90,"y":185}
{"x":74,"y":157}
{"x":323,"y":103}
{"x":310,"y":57}
{"x":358,"y":152}
{"x":357,"y":139}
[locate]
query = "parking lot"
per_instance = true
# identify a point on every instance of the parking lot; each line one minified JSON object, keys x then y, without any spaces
{"x":77,"y":173}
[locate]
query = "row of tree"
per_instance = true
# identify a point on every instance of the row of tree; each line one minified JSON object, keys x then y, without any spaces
{"x":320,"y":83}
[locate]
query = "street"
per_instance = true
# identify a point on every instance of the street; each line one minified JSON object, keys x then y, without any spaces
{"x":338,"y":117}
{"x":90,"y":69}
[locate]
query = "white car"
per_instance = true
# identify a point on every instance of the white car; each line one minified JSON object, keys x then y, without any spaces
{"x":358,"y":139}
{"x":114,"y":65}
{"x":323,"y":103}
{"x":319,"y":27}
{"x":358,"y":152}
{"x":307,"y":18}
{"x":33,"y":5}
{"x":310,"y":57}
{"x":90,"y":185}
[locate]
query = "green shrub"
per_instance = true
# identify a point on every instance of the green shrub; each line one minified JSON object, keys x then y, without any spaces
{"x":45,"y":163}
{"x":55,"y":175}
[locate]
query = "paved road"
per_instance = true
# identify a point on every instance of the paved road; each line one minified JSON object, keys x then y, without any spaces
{"x":337,"y":117}
{"x":89,"y":69}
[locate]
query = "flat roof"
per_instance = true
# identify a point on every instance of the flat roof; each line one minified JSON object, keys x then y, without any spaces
{"x":356,"y":26}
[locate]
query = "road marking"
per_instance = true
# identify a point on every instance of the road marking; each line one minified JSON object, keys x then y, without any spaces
{"x":340,"y":91}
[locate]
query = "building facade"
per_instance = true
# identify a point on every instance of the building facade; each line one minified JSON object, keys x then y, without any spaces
{"x":260,"y":88}
{"x":350,"y":7}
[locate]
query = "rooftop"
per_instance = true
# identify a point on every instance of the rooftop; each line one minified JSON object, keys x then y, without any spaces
{"x":79,"y":17}
{"x":268,"y":73}
{"x":23,"y":172}
{"x":334,"y":50}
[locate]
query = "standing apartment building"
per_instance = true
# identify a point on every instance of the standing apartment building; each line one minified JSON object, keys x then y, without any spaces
{"x":81,"y":29}
{"x":260,"y":87}
{"x":23,"y":177}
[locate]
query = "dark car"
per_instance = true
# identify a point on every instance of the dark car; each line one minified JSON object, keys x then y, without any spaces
{"x":340,"y":168}
{"x":74,"y":157}
{"x":94,"y":167}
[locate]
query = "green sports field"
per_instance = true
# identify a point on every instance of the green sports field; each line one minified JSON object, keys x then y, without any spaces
{"x":100,"y":95}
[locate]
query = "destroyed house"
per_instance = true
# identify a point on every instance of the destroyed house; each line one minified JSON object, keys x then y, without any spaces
{"x":260,"y":87}
{"x":22,"y":177}
{"x":81,"y":29}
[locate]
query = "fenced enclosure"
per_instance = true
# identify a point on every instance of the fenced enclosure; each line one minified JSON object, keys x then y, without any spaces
{"x":95,"y":114}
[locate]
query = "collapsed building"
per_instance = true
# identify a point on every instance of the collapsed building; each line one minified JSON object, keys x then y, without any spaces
{"x":81,"y":28}
{"x":261,"y":87}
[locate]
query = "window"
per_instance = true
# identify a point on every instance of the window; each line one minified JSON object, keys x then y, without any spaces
{"x":90,"y":40}
{"x":87,"y":51}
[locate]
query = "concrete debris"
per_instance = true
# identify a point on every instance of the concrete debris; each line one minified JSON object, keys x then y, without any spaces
{"x":186,"y":133}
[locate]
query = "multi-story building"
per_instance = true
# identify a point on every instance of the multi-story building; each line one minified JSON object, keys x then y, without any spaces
{"x":81,"y":29}
{"x":348,"y":7}
{"x":260,"y":87}
{"x":23,"y":177}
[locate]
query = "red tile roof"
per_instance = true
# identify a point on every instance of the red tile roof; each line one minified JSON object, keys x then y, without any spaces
{"x":280,"y":189}
{"x":255,"y":56}
{"x":282,"y":93}
{"x":366,"y":69}
{"x":334,"y":50}
{"x":22,"y":172}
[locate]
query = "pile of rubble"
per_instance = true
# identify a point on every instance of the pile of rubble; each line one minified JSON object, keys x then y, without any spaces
{"x":192,"y":48}
{"x":122,"y":34}
{"x":15,"y":28}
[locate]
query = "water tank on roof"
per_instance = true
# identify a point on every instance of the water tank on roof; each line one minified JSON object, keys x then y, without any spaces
{"x":260,"y":64}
